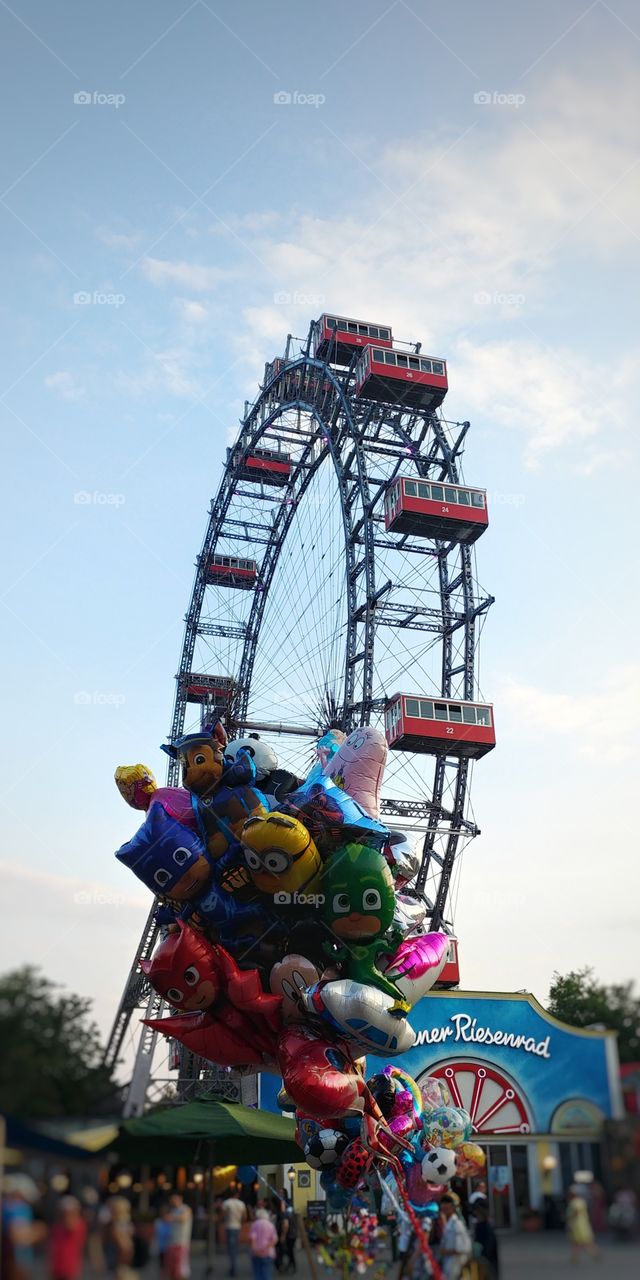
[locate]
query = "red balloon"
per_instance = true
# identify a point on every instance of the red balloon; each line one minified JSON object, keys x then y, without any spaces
{"x":228,"y":1037}
{"x":320,"y":1077}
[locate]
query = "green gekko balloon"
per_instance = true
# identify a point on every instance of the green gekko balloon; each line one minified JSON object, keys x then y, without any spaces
{"x":359,"y":893}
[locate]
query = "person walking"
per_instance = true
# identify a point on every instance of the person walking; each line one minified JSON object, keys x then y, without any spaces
{"x":234,"y":1213}
{"x":485,"y":1239}
{"x":162,"y":1237}
{"x":178,"y":1253}
{"x":118,"y":1240}
{"x":579,"y":1229}
{"x":288,"y":1237}
{"x":67,"y":1241}
{"x":20,"y":1232}
{"x":455,"y":1245}
{"x":263,"y":1238}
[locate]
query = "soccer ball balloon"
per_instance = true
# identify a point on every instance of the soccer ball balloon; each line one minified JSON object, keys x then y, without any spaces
{"x":325,"y":1148}
{"x":439,"y":1166}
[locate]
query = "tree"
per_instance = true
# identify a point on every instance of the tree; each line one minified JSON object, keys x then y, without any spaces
{"x":577,"y":998}
{"x":50,"y":1064}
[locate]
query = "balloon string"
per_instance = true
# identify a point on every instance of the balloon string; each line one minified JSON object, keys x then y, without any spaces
{"x":415,"y":1223}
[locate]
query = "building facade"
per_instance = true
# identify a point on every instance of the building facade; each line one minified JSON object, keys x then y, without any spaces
{"x":538,"y":1091}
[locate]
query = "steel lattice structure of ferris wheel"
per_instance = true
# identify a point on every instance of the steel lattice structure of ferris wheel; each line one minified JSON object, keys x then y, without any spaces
{"x":340,"y":614}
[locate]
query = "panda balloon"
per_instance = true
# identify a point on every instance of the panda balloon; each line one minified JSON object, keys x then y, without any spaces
{"x":274,"y":783}
{"x":439,"y":1166}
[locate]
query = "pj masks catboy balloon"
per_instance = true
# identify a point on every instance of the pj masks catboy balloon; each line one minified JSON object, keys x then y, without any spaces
{"x":167,"y":857}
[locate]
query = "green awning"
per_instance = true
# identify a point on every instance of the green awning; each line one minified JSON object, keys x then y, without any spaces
{"x":208,"y":1132}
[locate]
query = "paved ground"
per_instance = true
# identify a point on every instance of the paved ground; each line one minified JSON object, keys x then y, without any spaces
{"x":543,"y":1257}
{"x":546,"y":1257}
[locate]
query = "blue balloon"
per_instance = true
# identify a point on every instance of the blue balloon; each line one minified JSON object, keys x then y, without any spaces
{"x":337,"y":1197}
{"x":247,"y":1174}
{"x":330,"y":814}
{"x":162,"y":851}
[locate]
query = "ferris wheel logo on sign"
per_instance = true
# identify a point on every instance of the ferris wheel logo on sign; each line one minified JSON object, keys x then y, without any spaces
{"x":491,"y":1097}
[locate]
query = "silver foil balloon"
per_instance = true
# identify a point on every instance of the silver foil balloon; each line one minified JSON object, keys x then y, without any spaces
{"x":409,"y":915}
{"x":361,"y":1014}
{"x":402,"y":859}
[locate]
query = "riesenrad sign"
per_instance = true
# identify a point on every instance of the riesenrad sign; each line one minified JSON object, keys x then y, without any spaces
{"x":512,"y":1066}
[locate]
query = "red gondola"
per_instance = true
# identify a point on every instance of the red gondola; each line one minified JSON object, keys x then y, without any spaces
{"x":450,"y":975}
{"x":432,"y":509}
{"x":274,"y":367}
{"x":335,"y":338}
{"x":264,"y":466}
{"x":396,"y":377}
{"x":205,"y":688}
{"x":229,"y":571}
{"x":433,"y":725}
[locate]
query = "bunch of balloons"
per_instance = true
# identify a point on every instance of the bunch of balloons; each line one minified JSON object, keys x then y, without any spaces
{"x":292,"y":943}
{"x":354,"y":1247}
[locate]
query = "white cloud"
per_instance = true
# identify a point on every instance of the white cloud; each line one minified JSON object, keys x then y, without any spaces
{"x":118,"y":240}
{"x":190,"y":275}
{"x":65,"y":384}
{"x":602,"y":723}
{"x":191,"y":311}
{"x":174,"y":370}
{"x":82,"y":933}
{"x":552,"y":398}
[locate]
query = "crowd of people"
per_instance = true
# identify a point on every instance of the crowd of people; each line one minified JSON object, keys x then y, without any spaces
{"x":105,"y":1237}
{"x":458,"y":1236}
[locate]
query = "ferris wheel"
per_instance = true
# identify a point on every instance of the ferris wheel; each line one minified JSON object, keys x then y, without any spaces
{"x":336,"y":587}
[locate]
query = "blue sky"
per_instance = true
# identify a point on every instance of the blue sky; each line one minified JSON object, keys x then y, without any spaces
{"x":185,"y":202}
